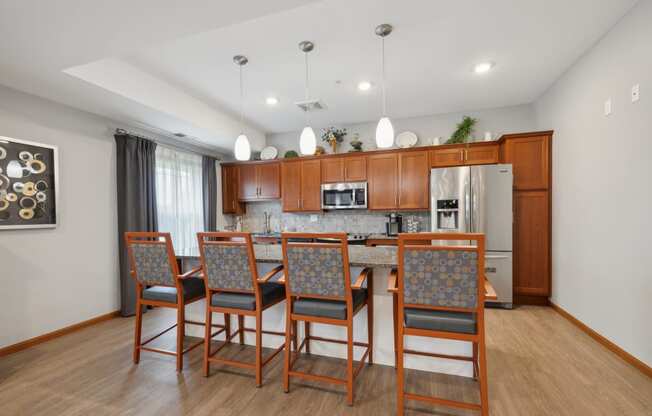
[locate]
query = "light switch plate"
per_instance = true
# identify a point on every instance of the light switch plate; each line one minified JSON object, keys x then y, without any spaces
{"x":635,"y":93}
{"x":607,"y":107}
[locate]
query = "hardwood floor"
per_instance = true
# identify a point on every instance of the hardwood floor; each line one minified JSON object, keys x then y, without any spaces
{"x":539,"y":364}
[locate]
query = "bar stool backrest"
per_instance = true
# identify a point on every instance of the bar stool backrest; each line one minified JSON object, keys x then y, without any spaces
{"x":152,"y":258}
{"x":228,"y":261}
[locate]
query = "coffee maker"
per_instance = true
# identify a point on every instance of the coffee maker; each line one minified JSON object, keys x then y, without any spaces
{"x":394,"y":224}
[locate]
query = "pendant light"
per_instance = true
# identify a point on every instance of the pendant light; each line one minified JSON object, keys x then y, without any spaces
{"x":384,"y":130}
{"x":307,"y":140}
{"x":242,"y":147}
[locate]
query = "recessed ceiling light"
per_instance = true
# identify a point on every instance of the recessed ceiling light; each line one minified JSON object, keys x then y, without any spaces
{"x":271,"y":100}
{"x":483,"y":67}
{"x":364,"y":86}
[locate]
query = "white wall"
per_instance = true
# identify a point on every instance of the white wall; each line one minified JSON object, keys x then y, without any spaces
{"x":513,"y":119}
{"x":602,"y":185}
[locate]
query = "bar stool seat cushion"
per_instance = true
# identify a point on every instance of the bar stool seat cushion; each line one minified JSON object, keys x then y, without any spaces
{"x":192,"y":288}
{"x":323,"y":308}
{"x":271,"y":292}
{"x":433,"y":320}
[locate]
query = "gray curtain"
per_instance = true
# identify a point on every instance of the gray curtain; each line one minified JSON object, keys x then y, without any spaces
{"x":136,"y":159}
{"x":209,"y":181}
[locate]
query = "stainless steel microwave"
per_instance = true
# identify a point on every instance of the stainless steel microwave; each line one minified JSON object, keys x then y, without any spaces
{"x":348,"y":195}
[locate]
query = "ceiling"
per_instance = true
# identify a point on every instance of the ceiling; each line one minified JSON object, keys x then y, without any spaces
{"x":168,"y":64}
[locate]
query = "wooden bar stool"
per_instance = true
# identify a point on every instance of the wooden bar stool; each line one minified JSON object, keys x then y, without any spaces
{"x":233,"y":286}
{"x":319,"y":289}
{"x":158,"y":283}
{"x":441,"y":294}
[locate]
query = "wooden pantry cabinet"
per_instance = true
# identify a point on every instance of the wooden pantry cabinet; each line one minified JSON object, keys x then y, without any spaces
{"x":301,"y":184}
{"x":259,"y":181}
{"x":344,"y":169}
{"x":230,"y":203}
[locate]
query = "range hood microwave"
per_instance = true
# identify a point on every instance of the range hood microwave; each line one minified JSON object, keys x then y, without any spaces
{"x":346,"y":195}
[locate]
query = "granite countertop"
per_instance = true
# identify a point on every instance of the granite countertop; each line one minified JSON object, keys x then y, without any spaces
{"x":381,"y":237}
{"x":360,"y":256}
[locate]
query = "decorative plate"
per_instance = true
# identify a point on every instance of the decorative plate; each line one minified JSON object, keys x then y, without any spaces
{"x":269,"y":153}
{"x":406,"y":139}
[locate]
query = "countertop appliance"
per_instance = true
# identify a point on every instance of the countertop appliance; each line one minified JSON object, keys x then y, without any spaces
{"x":478,"y":199}
{"x":394,"y":225}
{"x":352,"y":239}
{"x":345,"y":195}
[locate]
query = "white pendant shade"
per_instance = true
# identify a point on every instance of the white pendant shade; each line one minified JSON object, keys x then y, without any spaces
{"x":242,"y":148}
{"x":384,"y":133}
{"x":307,"y":141}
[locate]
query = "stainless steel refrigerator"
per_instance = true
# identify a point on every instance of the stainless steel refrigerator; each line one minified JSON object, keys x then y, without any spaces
{"x":478,"y":199}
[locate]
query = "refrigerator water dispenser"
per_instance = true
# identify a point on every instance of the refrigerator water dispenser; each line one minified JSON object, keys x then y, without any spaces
{"x":448,"y":214}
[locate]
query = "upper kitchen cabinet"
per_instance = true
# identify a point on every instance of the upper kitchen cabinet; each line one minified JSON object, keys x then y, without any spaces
{"x":301,"y":185}
{"x":343,"y":169}
{"x":529,"y":153}
{"x":382,"y":171}
{"x":259,"y":181}
{"x":413,"y":180}
{"x":466,"y":154}
{"x":230,"y":203}
{"x":398,"y":180}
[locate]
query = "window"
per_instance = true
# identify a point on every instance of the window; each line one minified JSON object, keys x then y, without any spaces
{"x":179,"y":198}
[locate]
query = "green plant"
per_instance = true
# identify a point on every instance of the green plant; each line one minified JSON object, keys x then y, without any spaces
{"x":464,"y":130}
{"x":332,"y":134}
{"x":290,"y":154}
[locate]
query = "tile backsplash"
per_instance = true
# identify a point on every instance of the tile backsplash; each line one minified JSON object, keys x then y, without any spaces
{"x":350,"y":221}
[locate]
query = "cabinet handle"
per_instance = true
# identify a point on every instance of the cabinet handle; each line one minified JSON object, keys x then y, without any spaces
{"x":461,"y":155}
{"x":346,"y":173}
{"x":466,"y":155}
{"x":298,"y":203}
{"x":233,"y":204}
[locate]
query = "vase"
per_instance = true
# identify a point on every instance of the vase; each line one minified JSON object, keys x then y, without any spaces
{"x":334,"y":145}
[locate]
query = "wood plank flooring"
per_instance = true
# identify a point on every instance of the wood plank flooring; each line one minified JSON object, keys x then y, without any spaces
{"x":539,"y":364}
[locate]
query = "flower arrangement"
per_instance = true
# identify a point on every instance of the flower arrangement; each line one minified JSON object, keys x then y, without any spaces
{"x":333,"y":137}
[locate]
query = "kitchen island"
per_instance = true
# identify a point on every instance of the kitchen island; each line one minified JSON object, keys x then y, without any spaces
{"x":382,"y":259}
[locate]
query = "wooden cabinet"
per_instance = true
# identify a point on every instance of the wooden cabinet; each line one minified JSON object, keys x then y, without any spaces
{"x":532,"y":243}
{"x":399,"y":181}
{"x":230,"y":204}
{"x":382,"y":185}
{"x":343,"y":169}
{"x":259,"y":181}
{"x":530,"y":156}
{"x":301,"y":185}
{"x":482,"y":154}
{"x":413,"y":180}
{"x":462,"y":155}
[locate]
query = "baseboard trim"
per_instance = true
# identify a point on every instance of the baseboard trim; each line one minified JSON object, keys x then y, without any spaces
{"x":56,"y":334}
{"x":640,"y":365}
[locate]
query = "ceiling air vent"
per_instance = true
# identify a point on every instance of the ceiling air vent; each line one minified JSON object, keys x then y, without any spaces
{"x":181,"y":135}
{"x":310,"y":105}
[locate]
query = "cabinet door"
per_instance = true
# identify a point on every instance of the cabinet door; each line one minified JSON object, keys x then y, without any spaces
{"x":269,"y":181}
{"x":247,"y":183}
{"x":291,"y":186}
{"x":481,"y":154}
{"x":230,"y":204}
{"x":311,"y":185}
{"x":531,"y":243}
{"x":450,"y":156}
{"x":382,"y":172}
{"x":413,"y":178}
{"x":332,"y":170}
{"x":355,"y":169}
{"x":530,"y":158}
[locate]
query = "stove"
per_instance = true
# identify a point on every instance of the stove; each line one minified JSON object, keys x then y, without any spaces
{"x":352,"y":239}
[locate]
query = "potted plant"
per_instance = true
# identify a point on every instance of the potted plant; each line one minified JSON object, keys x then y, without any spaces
{"x":333,"y":136}
{"x":463,"y":132}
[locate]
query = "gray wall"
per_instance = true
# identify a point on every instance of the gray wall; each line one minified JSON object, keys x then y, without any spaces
{"x":514,"y":119}
{"x":602,"y":191}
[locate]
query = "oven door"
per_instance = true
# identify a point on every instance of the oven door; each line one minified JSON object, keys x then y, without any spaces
{"x":337,"y":198}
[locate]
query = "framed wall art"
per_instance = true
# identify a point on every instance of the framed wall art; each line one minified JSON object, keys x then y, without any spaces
{"x":28,"y":184}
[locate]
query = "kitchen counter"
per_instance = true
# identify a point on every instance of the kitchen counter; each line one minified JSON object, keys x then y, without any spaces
{"x":360,"y":256}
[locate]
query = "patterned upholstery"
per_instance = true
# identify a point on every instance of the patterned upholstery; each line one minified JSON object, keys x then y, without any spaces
{"x":227,"y":267}
{"x":316,"y":271}
{"x":446,"y":278}
{"x":152,"y":264}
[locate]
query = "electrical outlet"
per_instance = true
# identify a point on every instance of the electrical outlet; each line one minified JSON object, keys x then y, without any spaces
{"x":607,"y":107}
{"x":314,"y":218}
{"x":635,"y":93}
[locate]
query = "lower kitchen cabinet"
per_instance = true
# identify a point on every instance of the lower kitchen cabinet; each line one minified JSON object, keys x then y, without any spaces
{"x":301,"y":185}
